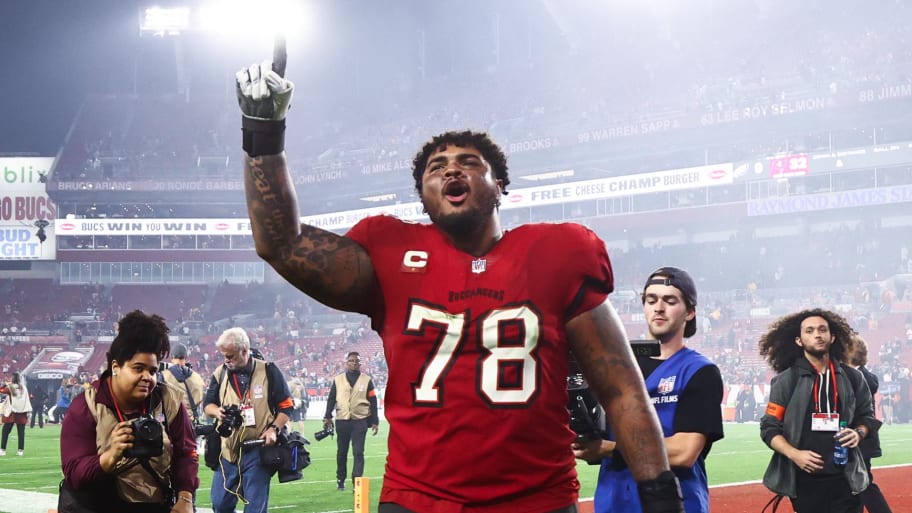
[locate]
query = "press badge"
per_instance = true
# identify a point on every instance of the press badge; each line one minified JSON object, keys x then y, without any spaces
{"x":249,"y":419}
{"x":825,"y":421}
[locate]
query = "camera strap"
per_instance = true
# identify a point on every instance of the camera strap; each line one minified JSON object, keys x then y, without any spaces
{"x":145,"y":410}
{"x":167,"y":491}
{"x":166,"y":424}
{"x":183,"y":380}
{"x":220,"y":374}
{"x":120,"y":415}
{"x":193,"y":408}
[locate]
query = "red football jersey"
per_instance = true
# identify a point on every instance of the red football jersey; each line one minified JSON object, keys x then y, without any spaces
{"x":477,"y":355}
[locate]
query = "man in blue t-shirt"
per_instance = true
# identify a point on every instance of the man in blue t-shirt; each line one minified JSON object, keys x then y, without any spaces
{"x":686,"y":390}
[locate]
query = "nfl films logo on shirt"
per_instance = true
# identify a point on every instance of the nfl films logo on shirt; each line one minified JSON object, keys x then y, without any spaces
{"x":666,"y":385}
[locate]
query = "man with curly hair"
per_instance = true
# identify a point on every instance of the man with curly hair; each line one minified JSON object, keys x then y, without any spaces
{"x":816,"y":401}
{"x":477,"y":324}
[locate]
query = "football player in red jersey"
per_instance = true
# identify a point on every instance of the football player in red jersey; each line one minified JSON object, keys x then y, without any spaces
{"x":477,"y":325}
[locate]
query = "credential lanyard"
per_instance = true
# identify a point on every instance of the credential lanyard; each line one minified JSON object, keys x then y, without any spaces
{"x":831,"y":371}
{"x":237,"y":388}
{"x":120,"y":414}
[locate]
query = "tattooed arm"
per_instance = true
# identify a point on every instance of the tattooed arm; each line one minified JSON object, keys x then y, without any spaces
{"x":600,"y":345}
{"x":332,"y":269}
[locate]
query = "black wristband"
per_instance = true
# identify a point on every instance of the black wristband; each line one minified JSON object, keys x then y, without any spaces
{"x":662,"y":494}
{"x":262,"y":137}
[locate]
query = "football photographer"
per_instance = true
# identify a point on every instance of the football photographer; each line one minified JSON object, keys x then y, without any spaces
{"x":250,"y":400}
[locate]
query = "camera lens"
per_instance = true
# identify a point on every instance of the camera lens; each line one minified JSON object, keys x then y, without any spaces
{"x":224,"y":429}
{"x":148,"y":439}
{"x":231,"y":420}
{"x":328,"y":431}
{"x":145,"y":430}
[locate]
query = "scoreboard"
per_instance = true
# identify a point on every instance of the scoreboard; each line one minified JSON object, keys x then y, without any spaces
{"x":789,"y":165}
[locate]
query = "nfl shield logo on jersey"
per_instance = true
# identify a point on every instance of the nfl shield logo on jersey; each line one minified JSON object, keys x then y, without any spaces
{"x":479,"y":265}
{"x":666,"y":385}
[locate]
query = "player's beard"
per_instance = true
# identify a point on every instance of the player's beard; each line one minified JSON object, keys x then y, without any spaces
{"x":816,"y":352}
{"x":464,"y":223}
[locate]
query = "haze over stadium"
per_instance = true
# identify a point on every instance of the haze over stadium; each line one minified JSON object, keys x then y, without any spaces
{"x":764,"y":146}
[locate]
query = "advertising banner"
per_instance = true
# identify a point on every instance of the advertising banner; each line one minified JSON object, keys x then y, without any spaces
{"x":830,"y":200}
{"x":55,"y":363}
{"x":530,"y":197}
{"x":27,"y":214}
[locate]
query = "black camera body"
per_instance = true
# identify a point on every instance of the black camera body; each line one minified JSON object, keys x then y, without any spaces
{"x":201,"y":429}
{"x":646,"y":348}
{"x":586,"y":417}
{"x":148,"y":438}
{"x":323,"y":433}
{"x":232,"y":420}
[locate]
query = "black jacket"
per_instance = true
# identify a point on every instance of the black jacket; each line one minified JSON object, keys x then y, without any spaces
{"x":870,"y":446}
{"x":39,"y":396}
{"x":792,"y":390}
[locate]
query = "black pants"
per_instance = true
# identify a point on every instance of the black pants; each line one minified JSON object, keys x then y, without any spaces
{"x":872,"y":498}
{"x":20,"y":431}
{"x":37,"y":412}
{"x":391,"y":507}
{"x":825,"y":493}
{"x":59,"y":414}
{"x":352,"y":432}
{"x":93,"y":500}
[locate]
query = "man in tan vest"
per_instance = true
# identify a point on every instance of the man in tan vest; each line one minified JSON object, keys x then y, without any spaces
{"x":191,"y":385}
{"x":259,"y":391}
{"x":301,"y":401}
{"x":354,"y":400}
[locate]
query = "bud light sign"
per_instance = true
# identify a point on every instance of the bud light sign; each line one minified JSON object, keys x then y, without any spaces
{"x":19,"y":244}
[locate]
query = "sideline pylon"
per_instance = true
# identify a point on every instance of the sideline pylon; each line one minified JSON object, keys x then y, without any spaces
{"x":362,"y":495}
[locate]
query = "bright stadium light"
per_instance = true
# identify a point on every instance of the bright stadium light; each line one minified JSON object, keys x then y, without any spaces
{"x":165,"y":20}
{"x":229,"y":17}
{"x":244,"y":16}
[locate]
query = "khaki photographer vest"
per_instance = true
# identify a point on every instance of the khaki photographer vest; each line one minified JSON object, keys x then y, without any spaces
{"x":258,"y":396}
{"x":134,"y":483}
{"x":351,"y":401}
{"x":195,"y":384}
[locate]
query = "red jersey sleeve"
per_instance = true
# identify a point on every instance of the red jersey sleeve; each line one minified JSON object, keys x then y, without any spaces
{"x":587,"y":268}
{"x":368,"y":232}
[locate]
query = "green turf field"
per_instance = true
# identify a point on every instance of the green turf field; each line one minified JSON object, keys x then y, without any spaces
{"x":739,"y":457}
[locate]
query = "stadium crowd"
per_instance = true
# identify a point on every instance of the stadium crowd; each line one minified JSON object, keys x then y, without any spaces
{"x":375,"y":143}
{"x":308,"y":339}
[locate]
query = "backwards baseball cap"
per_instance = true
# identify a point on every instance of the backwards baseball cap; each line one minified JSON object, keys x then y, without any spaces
{"x":180,"y":351}
{"x":679,"y":279}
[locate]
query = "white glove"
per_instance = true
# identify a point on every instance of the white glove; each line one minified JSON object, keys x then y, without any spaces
{"x":262,"y":93}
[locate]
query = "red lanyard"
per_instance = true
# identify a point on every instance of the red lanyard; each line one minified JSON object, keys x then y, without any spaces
{"x":237,"y":388}
{"x":116,"y":407}
{"x":832,"y":373}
